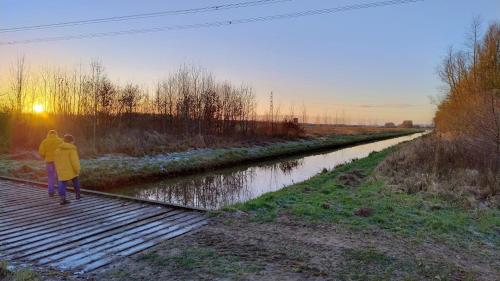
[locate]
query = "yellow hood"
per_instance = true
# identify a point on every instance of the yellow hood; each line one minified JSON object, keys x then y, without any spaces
{"x":67,"y":146}
{"x":49,"y":146}
{"x":67,"y":162}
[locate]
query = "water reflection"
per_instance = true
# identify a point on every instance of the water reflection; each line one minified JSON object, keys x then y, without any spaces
{"x":220,"y":188}
{"x":209,"y":191}
{"x":287,"y":166}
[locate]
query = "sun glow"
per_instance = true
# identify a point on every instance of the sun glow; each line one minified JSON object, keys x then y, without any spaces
{"x":38,"y":108}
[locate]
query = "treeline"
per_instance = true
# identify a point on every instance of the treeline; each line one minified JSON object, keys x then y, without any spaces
{"x":189,"y":102}
{"x":468,"y":118}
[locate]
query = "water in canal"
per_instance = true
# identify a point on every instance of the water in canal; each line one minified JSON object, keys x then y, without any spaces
{"x":216,"y":189}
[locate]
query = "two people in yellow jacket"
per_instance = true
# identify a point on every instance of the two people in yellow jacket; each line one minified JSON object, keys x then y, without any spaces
{"x":63,"y":163}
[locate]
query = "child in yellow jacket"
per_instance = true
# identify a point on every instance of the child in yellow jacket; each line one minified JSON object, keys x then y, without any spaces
{"x":68,"y":167}
{"x":47,"y":149}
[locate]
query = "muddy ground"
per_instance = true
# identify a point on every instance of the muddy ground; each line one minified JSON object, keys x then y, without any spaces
{"x":235,"y":247}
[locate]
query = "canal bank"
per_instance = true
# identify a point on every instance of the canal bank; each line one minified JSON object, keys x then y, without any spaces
{"x":113,"y":171}
{"x":223,"y":187}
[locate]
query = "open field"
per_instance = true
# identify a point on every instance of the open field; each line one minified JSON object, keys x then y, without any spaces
{"x":343,"y":224}
{"x":111,"y":170}
{"x":314,"y":130}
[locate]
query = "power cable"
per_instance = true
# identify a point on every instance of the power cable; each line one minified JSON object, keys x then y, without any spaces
{"x":142,"y":16}
{"x":213,"y":24}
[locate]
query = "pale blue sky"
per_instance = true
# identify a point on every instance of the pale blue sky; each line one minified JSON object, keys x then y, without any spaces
{"x":374,"y":64}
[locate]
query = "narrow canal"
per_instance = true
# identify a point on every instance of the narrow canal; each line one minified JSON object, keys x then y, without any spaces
{"x":219,"y":188}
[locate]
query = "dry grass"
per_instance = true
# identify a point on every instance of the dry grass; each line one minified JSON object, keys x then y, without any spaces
{"x":438,"y":167}
{"x":322,"y":130}
{"x":140,"y":143}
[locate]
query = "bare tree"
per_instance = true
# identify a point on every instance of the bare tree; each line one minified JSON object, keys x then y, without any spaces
{"x":18,"y":72}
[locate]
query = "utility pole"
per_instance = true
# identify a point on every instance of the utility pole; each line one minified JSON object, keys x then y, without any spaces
{"x":271,"y":112}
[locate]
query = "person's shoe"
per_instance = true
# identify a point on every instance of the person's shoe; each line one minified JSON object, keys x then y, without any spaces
{"x":63,"y":200}
{"x":51,"y":194}
{"x":78,"y":196}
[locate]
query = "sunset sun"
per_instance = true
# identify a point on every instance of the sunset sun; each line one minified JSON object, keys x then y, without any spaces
{"x":38,"y":108}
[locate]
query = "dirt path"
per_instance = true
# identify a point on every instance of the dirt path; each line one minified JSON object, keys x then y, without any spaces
{"x":234,"y":246}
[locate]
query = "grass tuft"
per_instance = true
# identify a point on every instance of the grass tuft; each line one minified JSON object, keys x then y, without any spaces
{"x":196,"y":258}
{"x":26,"y":275}
{"x":4,"y":271}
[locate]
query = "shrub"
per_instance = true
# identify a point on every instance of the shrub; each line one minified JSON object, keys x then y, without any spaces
{"x":439,"y":166}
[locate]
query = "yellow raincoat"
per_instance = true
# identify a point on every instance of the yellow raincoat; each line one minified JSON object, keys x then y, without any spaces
{"x":49,"y":146}
{"x":67,"y":162}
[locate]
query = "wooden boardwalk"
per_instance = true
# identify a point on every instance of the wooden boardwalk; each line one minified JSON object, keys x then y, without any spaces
{"x":83,"y":235}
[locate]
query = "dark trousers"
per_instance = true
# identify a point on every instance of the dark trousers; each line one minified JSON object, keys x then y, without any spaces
{"x":52,"y":176}
{"x":63,"y":184}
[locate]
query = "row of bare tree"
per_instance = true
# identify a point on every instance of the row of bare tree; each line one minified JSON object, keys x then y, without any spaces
{"x":469,"y":114}
{"x":188,"y":102}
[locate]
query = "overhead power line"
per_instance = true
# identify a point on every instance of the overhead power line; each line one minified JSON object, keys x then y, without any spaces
{"x":142,"y":16}
{"x":216,"y":23}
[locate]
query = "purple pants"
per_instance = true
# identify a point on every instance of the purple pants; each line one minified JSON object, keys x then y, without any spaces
{"x":63,"y":184}
{"x":52,"y":176}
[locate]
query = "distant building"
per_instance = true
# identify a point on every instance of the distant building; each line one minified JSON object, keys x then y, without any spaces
{"x":406,"y":124}
{"x":390,"y":125}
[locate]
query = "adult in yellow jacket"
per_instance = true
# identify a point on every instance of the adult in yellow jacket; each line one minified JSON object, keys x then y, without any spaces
{"x":68,"y":167}
{"x":47,"y":149}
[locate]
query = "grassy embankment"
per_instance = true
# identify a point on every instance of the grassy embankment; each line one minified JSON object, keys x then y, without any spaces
{"x":426,"y":218}
{"x":330,"y":197}
{"x":109,"y":171}
{"x":343,"y":224}
{"x":17,"y":275}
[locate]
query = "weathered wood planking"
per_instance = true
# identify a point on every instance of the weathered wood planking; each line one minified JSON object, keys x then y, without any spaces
{"x":83,"y":235}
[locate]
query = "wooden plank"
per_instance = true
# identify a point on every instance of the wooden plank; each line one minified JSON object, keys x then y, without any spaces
{"x":47,"y":211}
{"x":56,"y":228}
{"x":11,"y":198}
{"x":54,"y":206}
{"x":91,"y":266}
{"x":15,"y":196}
{"x":50,"y":209}
{"x":59,"y":252}
{"x":25,"y":195}
{"x":92,"y":242}
{"x":36,"y":247}
{"x":24,"y":190}
{"x":58,"y":214}
{"x":48,"y":238}
{"x":86,"y":234}
{"x":127,"y":216}
{"x":120,"y":245}
{"x":14,"y":208}
{"x":28,"y":227}
{"x":31,"y":191}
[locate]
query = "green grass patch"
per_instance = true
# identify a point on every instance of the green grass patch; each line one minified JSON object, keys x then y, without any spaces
{"x":26,"y":275}
{"x":22,"y":274}
{"x":326,"y":199}
{"x":4,"y":271}
{"x":206,"y":260}
{"x":370,"y":264}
